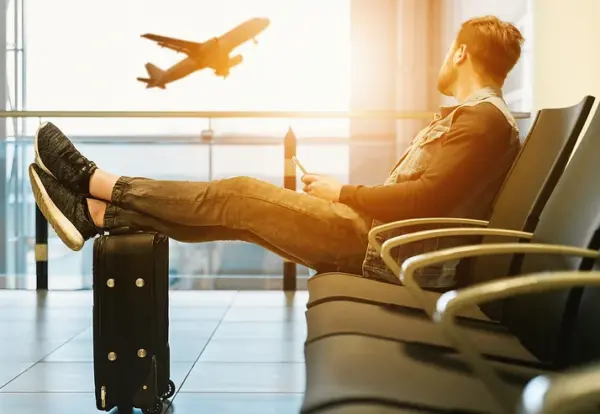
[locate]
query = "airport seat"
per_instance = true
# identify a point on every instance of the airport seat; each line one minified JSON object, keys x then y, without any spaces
{"x":528,"y":185}
{"x":367,"y":353}
{"x":576,"y":391}
{"x":560,"y":224}
{"x":346,"y":369}
{"x":376,"y":407}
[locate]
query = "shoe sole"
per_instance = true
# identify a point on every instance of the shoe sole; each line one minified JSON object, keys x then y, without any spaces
{"x":38,"y":159}
{"x":63,"y":227}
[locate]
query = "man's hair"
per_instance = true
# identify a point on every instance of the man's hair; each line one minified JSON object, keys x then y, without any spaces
{"x":494,"y":45}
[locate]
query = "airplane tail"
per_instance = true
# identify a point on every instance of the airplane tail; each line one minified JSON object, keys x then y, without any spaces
{"x":154,"y":71}
{"x":155,"y":74}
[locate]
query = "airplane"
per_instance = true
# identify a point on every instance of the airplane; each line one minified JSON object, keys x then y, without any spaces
{"x":213,"y":53}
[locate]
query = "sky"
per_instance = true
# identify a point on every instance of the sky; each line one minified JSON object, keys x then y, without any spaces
{"x":84,"y":55}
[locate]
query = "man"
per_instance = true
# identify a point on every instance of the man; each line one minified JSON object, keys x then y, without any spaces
{"x":453,"y":168}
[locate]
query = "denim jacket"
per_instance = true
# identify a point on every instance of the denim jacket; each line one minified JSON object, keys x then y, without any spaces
{"x":478,"y":206}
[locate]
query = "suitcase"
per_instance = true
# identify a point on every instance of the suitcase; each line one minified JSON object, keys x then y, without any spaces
{"x":131,"y":322}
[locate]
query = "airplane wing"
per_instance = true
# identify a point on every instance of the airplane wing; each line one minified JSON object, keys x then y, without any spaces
{"x":177,"y":45}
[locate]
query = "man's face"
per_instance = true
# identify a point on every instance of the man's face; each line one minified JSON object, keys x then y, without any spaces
{"x":448,"y":72}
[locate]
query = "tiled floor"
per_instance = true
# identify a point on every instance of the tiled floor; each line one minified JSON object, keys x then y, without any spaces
{"x":231,"y":352}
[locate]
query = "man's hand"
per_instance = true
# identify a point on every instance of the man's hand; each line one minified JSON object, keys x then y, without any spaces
{"x":327,"y":188}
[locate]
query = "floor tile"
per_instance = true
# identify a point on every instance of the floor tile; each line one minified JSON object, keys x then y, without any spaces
{"x":197,"y":314}
{"x":178,"y":329}
{"x":256,"y":330}
{"x":273,"y":314}
{"x":73,"y":351}
{"x":187,"y":349}
{"x":65,"y":315}
{"x":85,"y":335}
{"x":201,"y":298}
{"x":252,"y":364}
{"x":54,"y":377}
{"x":26,"y":350}
{"x":51,"y":299}
{"x":253,"y":350}
{"x":71,"y":377}
{"x":59,"y":403}
{"x":41,"y":330}
{"x":51,"y":403}
{"x":246,"y":378}
{"x":192,"y":329}
{"x":11,"y":370}
{"x":270,"y":299}
{"x":82,"y":350}
{"x":230,"y":403}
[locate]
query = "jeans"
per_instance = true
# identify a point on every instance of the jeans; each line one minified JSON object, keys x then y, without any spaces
{"x":319,"y":234}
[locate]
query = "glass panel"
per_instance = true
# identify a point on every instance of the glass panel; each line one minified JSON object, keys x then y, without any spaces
{"x":118,"y":129}
{"x":301,"y":61}
{"x":18,"y":217}
{"x":11,"y":124}
{"x":218,"y":264}
{"x":10,"y":24}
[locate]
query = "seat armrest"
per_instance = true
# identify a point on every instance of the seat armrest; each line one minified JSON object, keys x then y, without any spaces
{"x":418,"y":222}
{"x":412,"y":264}
{"x":450,"y":303}
{"x":398,"y":241}
{"x":573,"y":391}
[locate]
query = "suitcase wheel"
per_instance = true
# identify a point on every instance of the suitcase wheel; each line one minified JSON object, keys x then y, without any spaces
{"x":157,"y":409}
{"x":170,"y":390}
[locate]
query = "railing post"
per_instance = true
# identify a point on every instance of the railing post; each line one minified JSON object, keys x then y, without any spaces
{"x":41,"y":250}
{"x":289,"y":182}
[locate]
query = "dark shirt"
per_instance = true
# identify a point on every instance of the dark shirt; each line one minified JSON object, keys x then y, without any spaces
{"x":477,"y":136}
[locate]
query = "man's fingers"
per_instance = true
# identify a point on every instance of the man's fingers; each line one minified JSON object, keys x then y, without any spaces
{"x":309,"y":178}
{"x":309,"y":188}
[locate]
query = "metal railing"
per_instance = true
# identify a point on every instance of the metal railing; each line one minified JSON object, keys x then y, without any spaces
{"x":289,"y":145}
{"x":231,"y":114}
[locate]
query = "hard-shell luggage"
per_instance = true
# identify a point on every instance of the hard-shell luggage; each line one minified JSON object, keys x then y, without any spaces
{"x":131,"y":322}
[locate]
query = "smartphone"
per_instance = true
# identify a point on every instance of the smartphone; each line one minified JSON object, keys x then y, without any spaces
{"x":300,"y":166}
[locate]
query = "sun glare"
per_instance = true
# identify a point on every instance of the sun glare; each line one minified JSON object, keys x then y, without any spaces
{"x":87,"y":57}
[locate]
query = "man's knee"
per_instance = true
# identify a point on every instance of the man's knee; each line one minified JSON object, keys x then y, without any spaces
{"x":237,"y":186}
{"x":243,"y":185}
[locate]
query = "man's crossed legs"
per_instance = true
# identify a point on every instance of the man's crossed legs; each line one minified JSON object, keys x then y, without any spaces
{"x":81,"y":201}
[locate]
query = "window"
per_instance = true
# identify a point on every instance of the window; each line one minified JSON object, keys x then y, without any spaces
{"x":519,"y":84}
{"x":87,"y":55}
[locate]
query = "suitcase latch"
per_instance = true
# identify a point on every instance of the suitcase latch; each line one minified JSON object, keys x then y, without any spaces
{"x":103,"y":396}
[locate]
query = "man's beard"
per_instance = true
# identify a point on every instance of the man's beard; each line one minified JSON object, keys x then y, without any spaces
{"x":446,"y":79}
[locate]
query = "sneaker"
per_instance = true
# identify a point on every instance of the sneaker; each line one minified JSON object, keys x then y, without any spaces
{"x":65,"y":211}
{"x":57,"y":156}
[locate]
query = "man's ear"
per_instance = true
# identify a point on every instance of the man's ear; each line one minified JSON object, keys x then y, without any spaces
{"x":460,"y":55}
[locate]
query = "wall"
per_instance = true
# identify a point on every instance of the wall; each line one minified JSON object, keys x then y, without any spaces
{"x":518,"y":88}
{"x":373,"y":60}
{"x":455,"y":12}
{"x":418,"y":63}
{"x":400,"y":73}
{"x":567,"y":51}
{"x":558,"y":66}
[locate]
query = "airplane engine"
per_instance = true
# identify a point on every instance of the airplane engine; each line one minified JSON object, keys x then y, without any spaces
{"x":235,"y":60}
{"x":231,"y":62}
